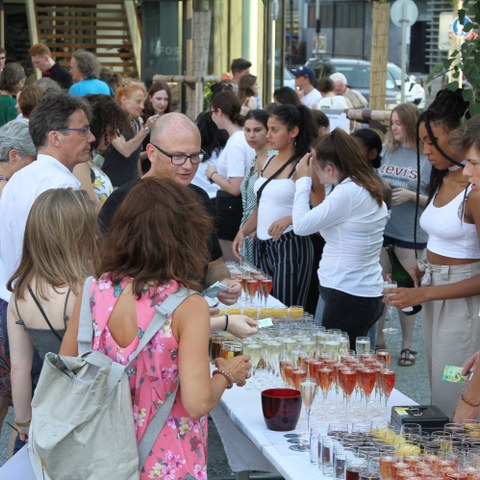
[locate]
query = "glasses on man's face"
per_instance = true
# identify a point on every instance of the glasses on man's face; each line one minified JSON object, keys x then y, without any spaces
{"x":178,"y":159}
{"x":83,"y":131}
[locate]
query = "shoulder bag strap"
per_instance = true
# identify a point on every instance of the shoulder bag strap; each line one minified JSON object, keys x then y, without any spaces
{"x":42,"y":311}
{"x":164,"y":311}
{"x":85,"y":326}
{"x":276,"y":174}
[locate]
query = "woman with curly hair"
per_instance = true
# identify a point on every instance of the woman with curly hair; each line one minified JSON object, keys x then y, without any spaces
{"x":156,"y":246}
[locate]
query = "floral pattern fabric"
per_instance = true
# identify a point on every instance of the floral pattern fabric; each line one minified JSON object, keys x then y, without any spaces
{"x":180,"y":451}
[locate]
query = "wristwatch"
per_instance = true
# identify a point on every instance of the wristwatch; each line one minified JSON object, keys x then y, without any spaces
{"x":146,"y":130}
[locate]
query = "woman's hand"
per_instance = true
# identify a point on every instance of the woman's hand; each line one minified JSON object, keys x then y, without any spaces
{"x":402,"y":195}
{"x":277,"y":228}
{"x":242,"y":326}
{"x":23,"y":433}
{"x":237,"y":245}
{"x":471,"y":364}
{"x":150,"y":121}
{"x":210,"y":171}
{"x":238,"y":368}
{"x":304,"y":166}
{"x":404,"y":297}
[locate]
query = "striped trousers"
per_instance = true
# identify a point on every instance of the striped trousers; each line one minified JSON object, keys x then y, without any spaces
{"x":289,"y":261}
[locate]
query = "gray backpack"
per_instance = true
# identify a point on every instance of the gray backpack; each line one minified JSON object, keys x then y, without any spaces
{"x":82,"y":418}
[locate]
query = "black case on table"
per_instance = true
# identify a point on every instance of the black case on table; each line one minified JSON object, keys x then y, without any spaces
{"x":430,"y":417}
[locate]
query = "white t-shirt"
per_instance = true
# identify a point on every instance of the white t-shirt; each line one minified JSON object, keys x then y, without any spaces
{"x":352,"y":224}
{"x":15,"y":203}
{"x":337,"y":102}
{"x":236,"y":157}
{"x":311,"y":98}
{"x":200,"y":179}
{"x":275,"y":203}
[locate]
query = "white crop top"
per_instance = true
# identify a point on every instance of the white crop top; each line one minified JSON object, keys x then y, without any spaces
{"x":276,"y":202}
{"x":448,"y":234}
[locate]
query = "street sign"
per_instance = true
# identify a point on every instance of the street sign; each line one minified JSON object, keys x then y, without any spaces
{"x":404,"y":12}
{"x":457,"y":27}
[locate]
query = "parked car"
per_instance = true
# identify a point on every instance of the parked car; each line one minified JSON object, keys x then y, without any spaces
{"x":358,"y":78}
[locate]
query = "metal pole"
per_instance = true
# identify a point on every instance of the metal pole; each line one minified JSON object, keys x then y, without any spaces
{"x":403,"y":57}
{"x":317,"y":27}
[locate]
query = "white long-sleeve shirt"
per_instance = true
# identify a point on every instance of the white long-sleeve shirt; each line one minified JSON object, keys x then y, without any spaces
{"x":352,"y":224}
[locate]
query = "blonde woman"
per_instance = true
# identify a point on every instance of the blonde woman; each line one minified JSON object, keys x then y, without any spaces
{"x":122,"y":158}
{"x":59,"y":251}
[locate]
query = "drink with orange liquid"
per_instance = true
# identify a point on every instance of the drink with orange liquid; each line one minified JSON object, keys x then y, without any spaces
{"x":384,"y":356}
{"x":297,"y":376}
{"x":386,"y":463}
{"x":324,"y":377}
{"x":283,"y":365}
{"x":368,"y":379}
{"x":252,"y":286}
{"x":289,"y":367}
{"x":348,"y":380}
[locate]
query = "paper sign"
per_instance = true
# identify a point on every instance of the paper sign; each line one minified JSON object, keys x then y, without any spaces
{"x":265,"y":322}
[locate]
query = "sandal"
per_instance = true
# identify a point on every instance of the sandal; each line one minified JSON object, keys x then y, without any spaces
{"x":407,"y":358}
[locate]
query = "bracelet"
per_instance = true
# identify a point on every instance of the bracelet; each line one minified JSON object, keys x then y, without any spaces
{"x":22,"y":424}
{"x":226,"y":323}
{"x":226,"y":375}
{"x":211,"y":176}
{"x":468,"y":403}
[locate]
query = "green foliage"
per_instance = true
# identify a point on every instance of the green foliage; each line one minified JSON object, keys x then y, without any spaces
{"x":466,"y":59}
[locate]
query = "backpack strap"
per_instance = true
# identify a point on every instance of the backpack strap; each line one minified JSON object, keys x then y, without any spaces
{"x":85,"y":325}
{"x":165,"y":310}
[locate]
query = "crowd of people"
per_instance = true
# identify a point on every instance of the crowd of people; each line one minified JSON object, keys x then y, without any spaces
{"x":106,"y":180}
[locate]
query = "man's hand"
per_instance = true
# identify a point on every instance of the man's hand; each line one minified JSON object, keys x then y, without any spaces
{"x":230,"y":296}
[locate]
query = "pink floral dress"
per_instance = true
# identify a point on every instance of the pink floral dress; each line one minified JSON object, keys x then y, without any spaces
{"x":180,"y":451}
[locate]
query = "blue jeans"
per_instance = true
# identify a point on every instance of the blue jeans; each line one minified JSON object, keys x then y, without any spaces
{"x":352,"y":314}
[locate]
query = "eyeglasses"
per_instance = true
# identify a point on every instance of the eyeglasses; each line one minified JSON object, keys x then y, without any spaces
{"x":84,"y":131}
{"x":180,"y":159}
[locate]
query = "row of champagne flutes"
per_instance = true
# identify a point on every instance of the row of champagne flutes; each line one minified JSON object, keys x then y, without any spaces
{"x":256,"y":285}
{"x":363,"y":450}
{"x":300,"y":352}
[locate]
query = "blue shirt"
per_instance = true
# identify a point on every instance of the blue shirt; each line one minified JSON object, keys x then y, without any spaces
{"x":89,"y":86}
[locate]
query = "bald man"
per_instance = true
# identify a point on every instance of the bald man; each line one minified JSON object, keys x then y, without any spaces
{"x":174,"y":151}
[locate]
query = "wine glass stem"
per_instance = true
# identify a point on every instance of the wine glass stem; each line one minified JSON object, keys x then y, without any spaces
{"x":308,"y":419}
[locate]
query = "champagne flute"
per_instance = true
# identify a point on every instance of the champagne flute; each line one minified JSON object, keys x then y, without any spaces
{"x":324,"y":376}
{"x":348,"y":380}
{"x":265,"y":287}
{"x":254,"y":349}
{"x":387,"y":382}
{"x":308,"y":390}
{"x":362,"y":345}
{"x":389,"y":317}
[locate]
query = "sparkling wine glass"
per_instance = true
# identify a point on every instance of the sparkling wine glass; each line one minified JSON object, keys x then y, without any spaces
{"x":324,"y":376}
{"x":254,"y":349}
{"x":389,"y":317}
{"x":387,"y":382}
{"x":348,"y":380}
{"x":308,"y":389}
{"x":265,"y":288}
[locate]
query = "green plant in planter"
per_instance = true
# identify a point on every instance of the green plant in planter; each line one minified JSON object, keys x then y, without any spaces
{"x":466,"y":59}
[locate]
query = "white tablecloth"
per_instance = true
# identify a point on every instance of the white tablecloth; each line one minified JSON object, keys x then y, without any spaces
{"x":249,"y":445}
